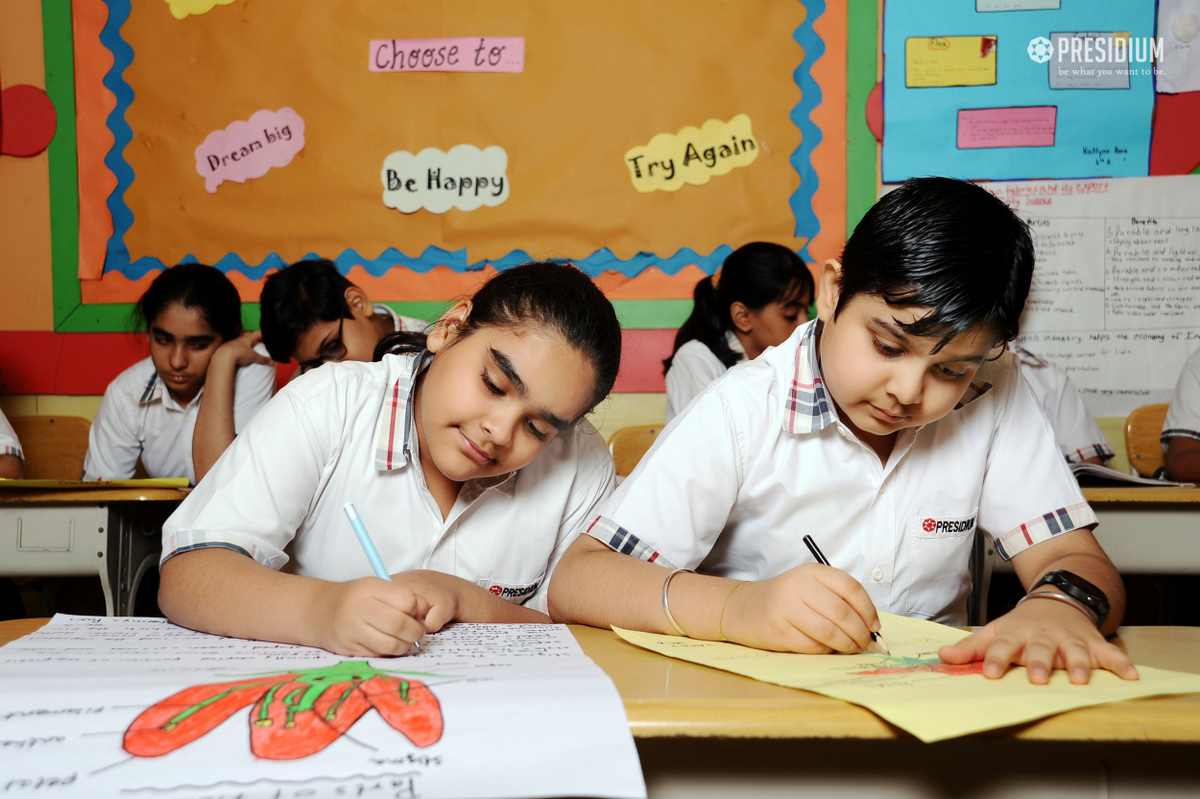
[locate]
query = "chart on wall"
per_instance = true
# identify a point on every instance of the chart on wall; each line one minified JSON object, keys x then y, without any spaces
{"x":448,"y":136}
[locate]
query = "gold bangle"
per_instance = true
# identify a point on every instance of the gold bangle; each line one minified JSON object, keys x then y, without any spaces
{"x":721,"y":620}
{"x":667,"y":605}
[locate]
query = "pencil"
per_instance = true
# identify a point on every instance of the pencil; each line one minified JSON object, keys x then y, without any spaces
{"x":820,"y":556}
{"x":368,"y":546}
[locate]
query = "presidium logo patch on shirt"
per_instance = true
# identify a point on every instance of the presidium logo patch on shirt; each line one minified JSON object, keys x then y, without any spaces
{"x":512,"y":592}
{"x":941,"y":527}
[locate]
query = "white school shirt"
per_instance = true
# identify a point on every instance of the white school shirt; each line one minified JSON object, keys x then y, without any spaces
{"x":1183,"y":414}
{"x":1078,"y":435}
{"x":139,"y":417}
{"x":760,"y":459}
{"x":693,"y":367}
{"x":9,"y":445}
{"x":344,"y":433}
{"x":400,"y":322}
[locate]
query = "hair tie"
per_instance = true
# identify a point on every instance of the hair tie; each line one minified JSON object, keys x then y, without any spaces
{"x":716,"y":277}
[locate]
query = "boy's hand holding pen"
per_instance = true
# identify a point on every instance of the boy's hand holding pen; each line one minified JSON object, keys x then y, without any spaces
{"x":820,"y":556}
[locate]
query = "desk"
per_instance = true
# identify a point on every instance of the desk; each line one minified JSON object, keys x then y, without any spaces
{"x":115,"y":533}
{"x":702,"y":732}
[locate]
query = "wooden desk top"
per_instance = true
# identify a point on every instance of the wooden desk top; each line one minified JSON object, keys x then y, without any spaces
{"x":670,"y":698}
{"x":88,"y":496}
{"x":1147,"y":495}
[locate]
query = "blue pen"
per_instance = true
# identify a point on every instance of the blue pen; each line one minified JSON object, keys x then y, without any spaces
{"x":368,"y":546}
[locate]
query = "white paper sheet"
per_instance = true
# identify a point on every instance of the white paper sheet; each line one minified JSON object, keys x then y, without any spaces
{"x":520,"y":711}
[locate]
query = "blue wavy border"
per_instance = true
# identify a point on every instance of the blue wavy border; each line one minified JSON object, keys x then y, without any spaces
{"x":118,"y":260}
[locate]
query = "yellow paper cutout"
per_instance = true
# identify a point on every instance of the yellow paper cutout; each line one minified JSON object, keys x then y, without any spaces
{"x":949,"y":61}
{"x":693,"y":155}
{"x":914,"y":690}
{"x":181,"y":8}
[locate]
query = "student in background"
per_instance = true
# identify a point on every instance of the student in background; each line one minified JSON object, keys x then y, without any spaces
{"x":890,"y":430}
{"x":1181,"y":429}
{"x":464,"y":450}
{"x":310,"y":312}
{"x":754,"y":301}
{"x":149,"y":411}
{"x":1078,"y":436}
{"x":12,"y":459}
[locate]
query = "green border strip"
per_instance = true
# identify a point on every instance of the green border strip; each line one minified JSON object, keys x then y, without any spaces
{"x":71,"y":315}
{"x":59,"y":48}
{"x":861,"y":43}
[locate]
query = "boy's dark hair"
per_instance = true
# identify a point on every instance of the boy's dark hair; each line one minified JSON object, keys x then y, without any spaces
{"x":756,"y":275}
{"x":193,"y":286}
{"x":547,"y":294}
{"x":943,"y":244}
{"x":296,"y":298}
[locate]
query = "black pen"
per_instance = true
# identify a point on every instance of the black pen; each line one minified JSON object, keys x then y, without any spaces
{"x":820,"y":556}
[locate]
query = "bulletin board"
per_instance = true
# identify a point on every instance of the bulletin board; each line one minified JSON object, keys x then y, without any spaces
{"x":597,"y":81}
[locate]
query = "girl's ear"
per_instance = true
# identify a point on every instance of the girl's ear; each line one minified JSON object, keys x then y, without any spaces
{"x":827,"y":289}
{"x":359,"y":303}
{"x":741,"y":316}
{"x":446,"y":329}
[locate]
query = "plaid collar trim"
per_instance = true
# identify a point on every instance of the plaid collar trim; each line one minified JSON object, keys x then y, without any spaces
{"x":393,"y":444}
{"x":809,"y":409}
{"x":392,"y":450}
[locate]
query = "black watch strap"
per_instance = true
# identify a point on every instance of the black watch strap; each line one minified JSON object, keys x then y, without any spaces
{"x":1078,"y":589}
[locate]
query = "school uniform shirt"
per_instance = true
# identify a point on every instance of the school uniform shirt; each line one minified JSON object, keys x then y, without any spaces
{"x":693,"y":367}
{"x":761,"y":459}
{"x":1078,"y":435}
{"x":138,"y":417}
{"x":1183,"y":414}
{"x":9,"y":445}
{"x":345,"y":433}
{"x":400,"y":322}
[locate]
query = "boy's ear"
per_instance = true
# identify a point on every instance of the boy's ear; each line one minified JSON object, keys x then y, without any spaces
{"x":359,"y":303}
{"x":446,"y":329}
{"x":742,"y":319}
{"x":827,"y":289}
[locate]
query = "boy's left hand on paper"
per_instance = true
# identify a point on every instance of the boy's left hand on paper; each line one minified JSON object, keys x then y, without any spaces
{"x":1041,"y":635}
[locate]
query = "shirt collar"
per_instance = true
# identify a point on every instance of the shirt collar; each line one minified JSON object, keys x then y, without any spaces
{"x":808,"y":407}
{"x":394,"y":445}
{"x":1025,"y":356}
{"x":386,"y":310}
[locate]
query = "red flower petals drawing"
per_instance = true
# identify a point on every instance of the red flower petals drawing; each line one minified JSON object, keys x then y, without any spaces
{"x":295,"y":715}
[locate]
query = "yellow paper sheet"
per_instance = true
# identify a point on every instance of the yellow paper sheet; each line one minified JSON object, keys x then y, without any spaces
{"x":949,"y":61}
{"x":146,"y":482}
{"x":912,"y":688}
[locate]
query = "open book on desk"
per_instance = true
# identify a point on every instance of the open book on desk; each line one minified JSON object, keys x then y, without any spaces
{"x":1093,"y":474}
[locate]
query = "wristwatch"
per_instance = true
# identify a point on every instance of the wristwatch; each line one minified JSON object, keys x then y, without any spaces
{"x":1078,"y":589}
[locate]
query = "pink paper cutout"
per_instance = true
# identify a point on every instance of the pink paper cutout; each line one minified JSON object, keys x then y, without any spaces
{"x":1031,"y":126}
{"x":247,"y":150}
{"x":459,"y":54}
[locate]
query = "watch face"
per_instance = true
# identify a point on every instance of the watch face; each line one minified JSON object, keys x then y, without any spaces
{"x":1079,"y":589}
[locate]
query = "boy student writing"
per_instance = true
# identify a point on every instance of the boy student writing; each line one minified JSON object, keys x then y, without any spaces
{"x":150,"y":410}
{"x":754,"y":301}
{"x":465,"y":452}
{"x":310,"y":312}
{"x":887,"y":430}
{"x":1181,"y":429}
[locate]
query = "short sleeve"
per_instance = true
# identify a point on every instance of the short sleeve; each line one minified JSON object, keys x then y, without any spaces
{"x":693,"y":368}
{"x":252,"y":388}
{"x":1078,"y":435}
{"x":259,"y":491}
{"x":113,"y":442}
{"x":595,"y":477}
{"x":673,"y":507}
{"x":9,"y":445}
{"x":1029,"y":494}
{"x":1183,"y":415}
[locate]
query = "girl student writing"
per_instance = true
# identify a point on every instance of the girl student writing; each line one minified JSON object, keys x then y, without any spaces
{"x":464,"y":450}
{"x":891,"y":430}
{"x":754,"y":301}
{"x":150,"y":409}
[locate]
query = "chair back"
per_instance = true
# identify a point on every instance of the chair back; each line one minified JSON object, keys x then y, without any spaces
{"x":1142,"y":430}
{"x":54,"y":446}
{"x":629,"y":444}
